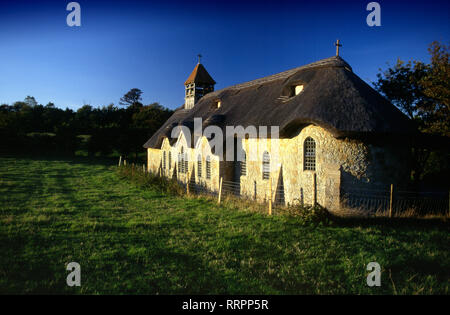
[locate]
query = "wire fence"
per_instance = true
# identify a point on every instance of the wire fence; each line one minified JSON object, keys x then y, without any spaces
{"x":401,"y":201}
{"x":376,"y":199}
{"x":368,"y":200}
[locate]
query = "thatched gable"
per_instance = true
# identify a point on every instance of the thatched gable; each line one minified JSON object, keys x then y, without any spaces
{"x":333,"y":97}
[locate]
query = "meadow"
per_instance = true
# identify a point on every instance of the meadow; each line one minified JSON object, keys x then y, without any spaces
{"x":134,"y":239}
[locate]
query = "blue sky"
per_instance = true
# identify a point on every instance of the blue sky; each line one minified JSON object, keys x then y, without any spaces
{"x":152,"y":45}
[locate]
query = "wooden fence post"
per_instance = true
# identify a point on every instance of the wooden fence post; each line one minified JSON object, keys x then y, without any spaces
{"x":143,"y":168}
{"x":314,"y":190}
{"x":391,"y":200}
{"x":120,"y":161}
{"x":270,"y":195}
{"x":124,"y":162}
{"x":220,"y":191}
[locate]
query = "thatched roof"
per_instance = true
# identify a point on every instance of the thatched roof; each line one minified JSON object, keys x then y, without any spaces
{"x":333,"y":98}
{"x":200,"y":75}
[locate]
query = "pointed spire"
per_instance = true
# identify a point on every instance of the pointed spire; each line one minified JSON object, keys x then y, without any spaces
{"x":200,"y":75}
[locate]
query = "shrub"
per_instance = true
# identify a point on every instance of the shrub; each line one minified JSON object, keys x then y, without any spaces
{"x":137,"y":176}
{"x":310,"y":214}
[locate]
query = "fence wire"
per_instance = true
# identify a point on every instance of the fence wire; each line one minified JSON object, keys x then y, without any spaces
{"x":371,"y":199}
{"x":374,"y":200}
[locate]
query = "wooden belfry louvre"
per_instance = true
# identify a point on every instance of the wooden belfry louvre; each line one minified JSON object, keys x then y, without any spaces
{"x":309,"y":158}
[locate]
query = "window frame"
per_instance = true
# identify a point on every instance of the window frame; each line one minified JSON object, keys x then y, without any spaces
{"x":243,"y":163}
{"x":199,"y":166}
{"x":208,"y":167}
{"x":266,"y":165}
{"x":309,"y":154}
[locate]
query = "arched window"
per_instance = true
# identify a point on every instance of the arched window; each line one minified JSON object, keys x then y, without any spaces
{"x":199,"y":166}
{"x":208,"y":167}
{"x":181,"y":164}
{"x":309,"y":154}
{"x":164,"y":160}
{"x":266,"y":165}
{"x":243,"y":163}
{"x":186,"y":163}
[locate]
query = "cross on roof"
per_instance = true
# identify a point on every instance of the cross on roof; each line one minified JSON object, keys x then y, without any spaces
{"x":337,"y":47}
{"x":199,"y":57}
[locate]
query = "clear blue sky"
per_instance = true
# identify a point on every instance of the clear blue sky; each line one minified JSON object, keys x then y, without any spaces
{"x":152,"y":45}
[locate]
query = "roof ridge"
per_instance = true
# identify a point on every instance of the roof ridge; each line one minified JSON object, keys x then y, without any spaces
{"x":284,"y":74}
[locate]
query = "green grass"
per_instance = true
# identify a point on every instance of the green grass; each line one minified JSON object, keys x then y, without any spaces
{"x":130,"y":239}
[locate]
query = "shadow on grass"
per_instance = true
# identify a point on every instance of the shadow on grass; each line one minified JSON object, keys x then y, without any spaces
{"x":88,"y":160}
{"x":425,"y":223}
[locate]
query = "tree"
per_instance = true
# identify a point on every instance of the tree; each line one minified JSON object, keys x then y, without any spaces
{"x":436,"y":86}
{"x":31,"y":101}
{"x":132,"y":97}
{"x":422,"y":92}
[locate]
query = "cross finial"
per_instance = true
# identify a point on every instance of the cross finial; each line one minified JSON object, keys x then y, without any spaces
{"x":337,"y":47}
{"x":199,"y":58}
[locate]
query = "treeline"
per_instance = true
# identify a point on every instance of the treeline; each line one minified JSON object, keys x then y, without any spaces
{"x":422,"y":91}
{"x":29,"y":127}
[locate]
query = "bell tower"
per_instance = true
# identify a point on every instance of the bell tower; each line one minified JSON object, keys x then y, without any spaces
{"x":197,"y":84}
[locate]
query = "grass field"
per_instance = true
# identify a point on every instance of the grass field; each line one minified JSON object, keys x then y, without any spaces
{"x":130,"y":239}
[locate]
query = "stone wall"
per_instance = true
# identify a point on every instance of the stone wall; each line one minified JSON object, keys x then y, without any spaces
{"x":342,"y":165}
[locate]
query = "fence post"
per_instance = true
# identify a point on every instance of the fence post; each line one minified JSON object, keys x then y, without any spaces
{"x":220,"y":190}
{"x":314,"y":189}
{"x":270,"y":195}
{"x":143,"y":168}
{"x":120,"y":161}
{"x":390,"y":200}
{"x":124,"y":162}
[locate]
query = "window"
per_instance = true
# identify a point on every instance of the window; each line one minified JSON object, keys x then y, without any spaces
{"x":298,"y":89}
{"x":164,"y":160}
{"x":181,"y":161}
{"x":266,"y":165}
{"x":216,"y":104}
{"x":208,"y":168}
{"x":243,"y":164}
{"x":309,"y":156}
{"x":199,"y":166}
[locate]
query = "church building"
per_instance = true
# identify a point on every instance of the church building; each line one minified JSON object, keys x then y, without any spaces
{"x":337,"y":136}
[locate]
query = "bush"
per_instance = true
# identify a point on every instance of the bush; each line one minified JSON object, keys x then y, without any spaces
{"x":311,"y":215}
{"x":137,"y":176}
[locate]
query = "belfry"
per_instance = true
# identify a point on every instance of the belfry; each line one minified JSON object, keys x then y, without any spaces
{"x":197,"y":85}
